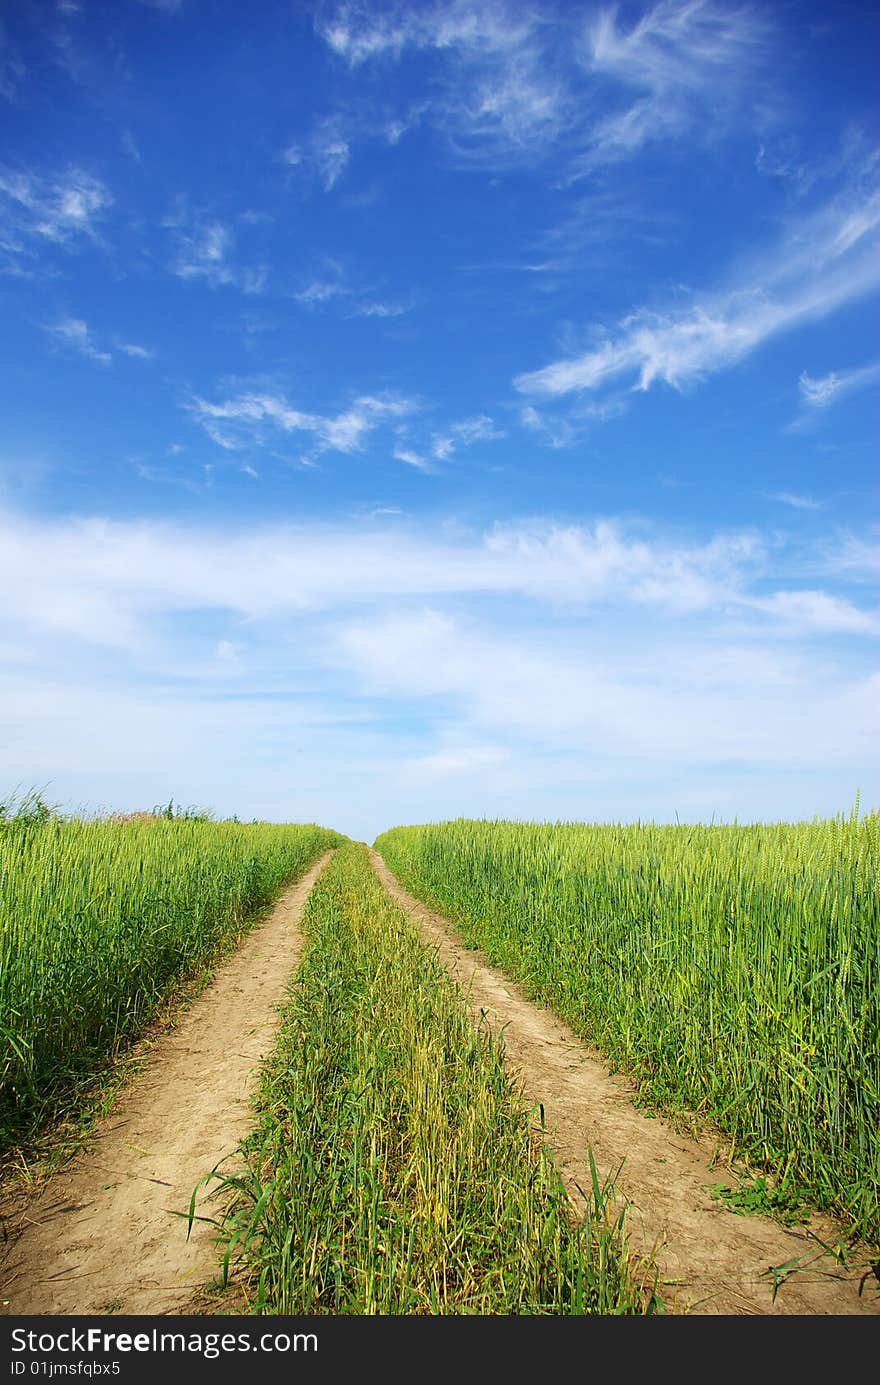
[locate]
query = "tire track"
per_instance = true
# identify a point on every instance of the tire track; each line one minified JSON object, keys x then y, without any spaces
{"x":105,"y":1233}
{"x":711,"y":1260}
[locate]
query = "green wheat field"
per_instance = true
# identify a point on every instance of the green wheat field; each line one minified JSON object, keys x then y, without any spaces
{"x":732,"y":971}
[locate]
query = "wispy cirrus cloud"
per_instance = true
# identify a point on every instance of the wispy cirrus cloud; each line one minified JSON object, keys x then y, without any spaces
{"x":825,"y":260}
{"x":253,"y":418}
{"x":455,"y":761}
{"x":165,"y":6}
{"x":855,"y":558}
{"x":138,"y":353}
{"x":796,"y":501}
{"x":413,"y":459}
{"x":633,"y":649}
{"x":731,"y":704}
{"x":819,"y":612}
{"x":38,"y":211}
{"x":326,"y":152}
{"x":675,"y":46}
{"x":428,"y":454}
{"x":820,"y":393}
{"x":74,"y":333}
{"x":567,"y":431}
{"x":319,"y":291}
{"x":204,"y":247}
{"x":465,"y":433}
{"x":510,"y":82}
{"x":373,"y":307}
{"x":203,"y":251}
{"x":332,"y":284}
{"x":12,"y":65}
{"x":785,"y":161}
{"x":687,"y":61}
{"x":359,"y":34}
{"x":497,"y":92}
{"x":817,"y":394}
{"x":132,"y":569}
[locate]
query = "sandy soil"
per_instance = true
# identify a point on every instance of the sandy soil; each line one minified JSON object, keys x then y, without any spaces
{"x":711,"y":1260}
{"x":102,"y":1235}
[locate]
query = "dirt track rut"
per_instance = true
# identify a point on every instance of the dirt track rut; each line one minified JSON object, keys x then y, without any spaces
{"x":103,"y":1234}
{"x":711,"y":1260}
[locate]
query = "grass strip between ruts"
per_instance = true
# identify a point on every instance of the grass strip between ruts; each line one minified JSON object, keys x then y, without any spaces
{"x":395,"y":1170}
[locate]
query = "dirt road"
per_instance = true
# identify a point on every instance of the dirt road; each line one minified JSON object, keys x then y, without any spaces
{"x":103,"y":1235}
{"x":711,"y":1260}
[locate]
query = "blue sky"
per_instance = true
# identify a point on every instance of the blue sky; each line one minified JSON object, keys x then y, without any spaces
{"x":424,"y":410}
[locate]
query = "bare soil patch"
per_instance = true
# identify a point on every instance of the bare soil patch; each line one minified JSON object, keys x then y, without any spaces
{"x":103,"y":1234}
{"x":711,"y":1260}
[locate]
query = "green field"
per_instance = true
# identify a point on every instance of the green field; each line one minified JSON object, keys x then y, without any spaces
{"x":394,"y":1170}
{"x":98,"y":919}
{"x":735,"y":971}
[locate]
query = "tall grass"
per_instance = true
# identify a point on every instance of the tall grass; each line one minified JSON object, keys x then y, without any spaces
{"x":735,"y":971}
{"x":394,"y":1169}
{"x":97,"y":918}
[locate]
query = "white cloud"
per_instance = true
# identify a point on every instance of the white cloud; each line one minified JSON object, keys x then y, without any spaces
{"x":358,"y":35}
{"x":819,"y":393}
{"x":101,"y":580}
{"x":364,"y":679}
{"x":205,"y":248}
{"x":165,"y":6}
{"x":498,"y":93}
{"x":376,"y":308}
{"x":783,"y":167}
{"x":332,"y":157}
{"x":38,"y":210}
{"x":333,"y":285}
{"x":12,"y":66}
{"x":320,"y":291}
{"x":797,"y":501}
{"x":826,"y":260}
{"x":163,"y":476}
{"x":245,"y":419}
{"x":595,"y":703}
{"x":465,"y":433}
{"x":688,"y":61}
{"x":456,"y":762}
{"x":130,"y":148}
{"x":574,"y":427}
{"x":554,"y":432}
{"x":478,"y":429}
{"x":676,"y":46}
{"x":139,"y":353}
{"x":326,"y":152}
{"x":76,"y":334}
{"x":202,"y":251}
{"x":819,"y":612}
{"x":413,"y":459}
{"x":855,"y":558}
{"x":510,"y":83}
{"x":73,"y":332}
